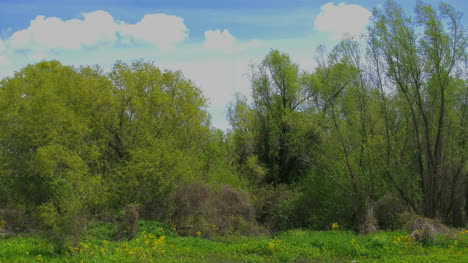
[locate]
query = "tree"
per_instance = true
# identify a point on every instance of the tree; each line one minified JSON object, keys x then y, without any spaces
{"x":270,"y":131}
{"x":422,"y":59}
{"x":78,"y":143}
{"x":346,"y":105}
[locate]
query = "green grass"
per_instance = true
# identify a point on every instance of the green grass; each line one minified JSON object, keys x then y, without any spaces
{"x":157,"y":243}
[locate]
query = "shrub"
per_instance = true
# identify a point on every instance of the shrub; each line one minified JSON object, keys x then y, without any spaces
{"x":231,"y":202}
{"x":274,"y":206}
{"x":62,"y":223}
{"x":17,"y":220}
{"x":367,"y":221}
{"x":208,"y":212}
{"x":424,"y":230}
{"x":128,"y":225}
{"x":416,"y":222}
{"x":319,"y":203}
{"x":100,"y":231}
{"x":388,"y":210}
{"x":425,"y":236}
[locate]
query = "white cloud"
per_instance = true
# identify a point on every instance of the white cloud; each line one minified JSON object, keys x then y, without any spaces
{"x":158,"y":29}
{"x":223,"y":41}
{"x":219,"y":40}
{"x":49,"y":33}
{"x":342,"y":19}
{"x":54,"y":33}
{"x":218,"y":65}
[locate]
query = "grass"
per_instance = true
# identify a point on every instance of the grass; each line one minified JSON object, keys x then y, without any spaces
{"x":157,"y":243}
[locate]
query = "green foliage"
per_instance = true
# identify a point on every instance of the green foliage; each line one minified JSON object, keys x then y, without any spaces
{"x":78,"y":143}
{"x":271,"y":136}
{"x":290,"y":246}
{"x":275,"y":206}
{"x":218,"y":168}
{"x":156,"y":228}
{"x":424,"y":57}
{"x":388,"y":211}
{"x":377,"y":129}
{"x":385,"y":117}
{"x":319,"y":203}
{"x":100,"y":231}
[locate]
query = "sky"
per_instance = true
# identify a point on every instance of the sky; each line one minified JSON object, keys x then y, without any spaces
{"x":213,"y":42}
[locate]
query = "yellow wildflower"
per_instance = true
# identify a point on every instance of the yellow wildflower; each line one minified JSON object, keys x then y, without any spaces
{"x":271,"y":246}
{"x":334,"y":226}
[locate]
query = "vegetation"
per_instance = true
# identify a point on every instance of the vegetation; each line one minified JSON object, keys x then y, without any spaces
{"x":155,"y":245}
{"x":95,"y":166}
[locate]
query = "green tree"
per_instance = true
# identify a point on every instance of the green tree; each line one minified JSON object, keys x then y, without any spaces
{"x":270,"y":132}
{"x":48,"y":147}
{"x":76,"y":144}
{"x":424,"y":58}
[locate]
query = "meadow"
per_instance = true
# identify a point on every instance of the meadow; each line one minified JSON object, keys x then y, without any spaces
{"x":360,"y":158}
{"x":156,"y":242}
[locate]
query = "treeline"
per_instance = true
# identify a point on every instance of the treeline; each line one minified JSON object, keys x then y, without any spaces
{"x":378,"y":128}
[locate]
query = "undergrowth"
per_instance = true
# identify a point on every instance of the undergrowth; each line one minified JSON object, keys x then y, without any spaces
{"x":157,"y":242}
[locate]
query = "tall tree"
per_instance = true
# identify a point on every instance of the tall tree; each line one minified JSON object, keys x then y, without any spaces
{"x":422,"y":57}
{"x":279,"y":92}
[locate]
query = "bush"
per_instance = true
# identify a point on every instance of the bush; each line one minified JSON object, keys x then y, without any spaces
{"x":416,"y":222}
{"x":274,"y":206}
{"x":319,"y":203}
{"x":100,"y":231}
{"x":231,"y":202}
{"x":17,"y":220}
{"x":208,"y":212}
{"x":424,"y":230}
{"x":128,"y":225}
{"x":367,"y":220}
{"x":64,"y":223}
{"x":388,"y":210}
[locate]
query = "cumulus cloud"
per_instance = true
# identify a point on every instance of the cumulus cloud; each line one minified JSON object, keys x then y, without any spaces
{"x":342,"y":19}
{"x":48,"y":33}
{"x":159,"y":29}
{"x":54,"y":33}
{"x":223,"y":41}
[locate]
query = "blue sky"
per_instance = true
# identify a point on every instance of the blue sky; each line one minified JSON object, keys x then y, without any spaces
{"x":212,"y":42}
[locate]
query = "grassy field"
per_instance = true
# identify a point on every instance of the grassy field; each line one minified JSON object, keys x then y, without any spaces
{"x":162,"y":245}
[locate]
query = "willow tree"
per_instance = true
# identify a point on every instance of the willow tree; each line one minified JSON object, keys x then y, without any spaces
{"x":49,"y":149}
{"x":279,"y":133}
{"x":79,"y":143}
{"x":353,"y":129}
{"x":425,"y":60}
